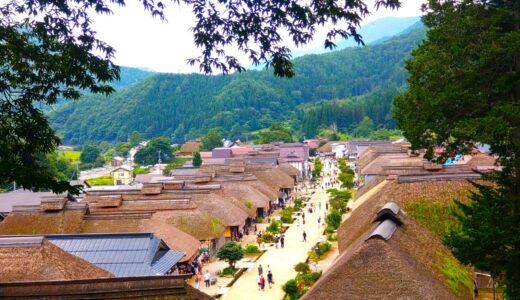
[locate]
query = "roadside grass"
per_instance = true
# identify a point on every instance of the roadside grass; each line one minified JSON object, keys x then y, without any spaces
{"x":102,"y":180}
{"x":73,"y":156}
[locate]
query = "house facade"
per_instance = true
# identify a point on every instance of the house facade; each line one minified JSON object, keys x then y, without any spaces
{"x":122,"y":176}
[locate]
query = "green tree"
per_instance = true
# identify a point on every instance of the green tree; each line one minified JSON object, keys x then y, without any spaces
{"x":276,"y":133}
{"x":89,"y":154}
{"x":197,"y":160}
{"x":212,"y":139}
{"x":230,"y":252}
{"x":338,"y":199}
{"x":365,"y":127}
{"x":135,"y":138}
{"x":122,"y":148}
{"x":334,"y":219}
{"x":317,"y":168}
{"x":291,"y":289}
{"x":464,"y":88}
{"x":156,"y":148}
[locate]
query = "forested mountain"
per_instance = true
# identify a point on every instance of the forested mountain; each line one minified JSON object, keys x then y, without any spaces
{"x":188,"y":105}
{"x":130,"y":76}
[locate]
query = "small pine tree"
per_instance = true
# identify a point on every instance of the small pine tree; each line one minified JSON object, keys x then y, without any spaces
{"x":230,"y":252}
{"x":197,"y":160}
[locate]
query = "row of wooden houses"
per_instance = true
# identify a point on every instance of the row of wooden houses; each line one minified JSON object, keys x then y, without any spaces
{"x":197,"y":211}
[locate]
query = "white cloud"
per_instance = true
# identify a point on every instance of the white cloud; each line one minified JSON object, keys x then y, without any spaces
{"x":147,"y":42}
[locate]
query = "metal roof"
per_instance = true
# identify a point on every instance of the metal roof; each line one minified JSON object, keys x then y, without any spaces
{"x":384,"y":230}
{"x":124,"y":255}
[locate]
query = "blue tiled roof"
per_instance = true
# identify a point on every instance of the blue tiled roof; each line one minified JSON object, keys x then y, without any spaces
{"x":123,"y":255}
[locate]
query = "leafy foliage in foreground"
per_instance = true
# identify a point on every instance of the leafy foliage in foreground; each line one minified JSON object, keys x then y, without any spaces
{"x":464,"y":88}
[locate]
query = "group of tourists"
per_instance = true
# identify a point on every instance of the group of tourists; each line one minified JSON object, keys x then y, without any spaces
{"x":260,"y":280}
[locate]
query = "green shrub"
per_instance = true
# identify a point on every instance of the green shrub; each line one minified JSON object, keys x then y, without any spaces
{"x":267,"y":237}
{"x":308,"y":279}
{"x":229,"y":271}
{"x":325,"y":247}
{"x":302,"y":268}
{"x":251,"y":248}
{"x":329,"y":229}
{"x":298,"y":203}
{"x":334,"y":219}
{"x":291,"y":289}
{"x":332,"y":237}
{"x":274,"y":227}
{"x":286,"y":215}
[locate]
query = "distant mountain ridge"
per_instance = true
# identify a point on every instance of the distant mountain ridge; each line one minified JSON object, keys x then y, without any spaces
{"x":177,"y":105}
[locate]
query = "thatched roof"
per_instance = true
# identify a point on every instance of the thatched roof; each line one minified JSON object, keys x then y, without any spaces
{"x":480,"y":159}
{"x":326,"y":148}
{"x":202,"y":226}
{"x":215,"y":205}
{"x":189,"y":147}
{"x":35,"y":259}
{"x":271,"y":193}
{"x":35,"y":221}
{"x":406,"y":266}
{"x":275,"y":178}
{"x":378,"y":164}
{"x":402,"y":194}
{"x":289,"y":170}
{"x":244,"y":192}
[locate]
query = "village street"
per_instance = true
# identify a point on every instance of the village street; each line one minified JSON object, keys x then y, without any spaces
{"x":282,"y":261}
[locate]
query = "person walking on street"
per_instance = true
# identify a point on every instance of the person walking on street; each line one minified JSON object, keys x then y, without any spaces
{"x":304,"y":236}
{"x":259,"y":282}
{"x":282,"y":240}
{"x":270,"y":278}
{"x":260,"y":270}
{"x":198,"y":280}
{"x":262,"y":282}
{"x":207,"y":278}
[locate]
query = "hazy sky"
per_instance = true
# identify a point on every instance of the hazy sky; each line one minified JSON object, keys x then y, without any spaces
{"x":146,"y":42}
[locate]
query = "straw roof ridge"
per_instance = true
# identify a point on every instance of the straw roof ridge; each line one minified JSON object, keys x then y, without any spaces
{"x":289,"y":169}
{"x":217,"y":206}
{"x":245,"y":192}
{"x":201,"y":225}
{"x":393,"y":269}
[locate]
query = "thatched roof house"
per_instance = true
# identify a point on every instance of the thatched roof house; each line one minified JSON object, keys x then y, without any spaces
{"x":34,"y":258}
{"x":289,"y":170}
{"x":408,"y":265}
{"x":189,"y":147}
{"x":61,"y":217}
{"x":32,"y":267}
{"x":275,"y":178}
{"x":390,"y":256}
{"x":326,"y":148}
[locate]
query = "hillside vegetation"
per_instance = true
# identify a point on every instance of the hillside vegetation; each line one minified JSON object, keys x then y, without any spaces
{"x":180,"y":106}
